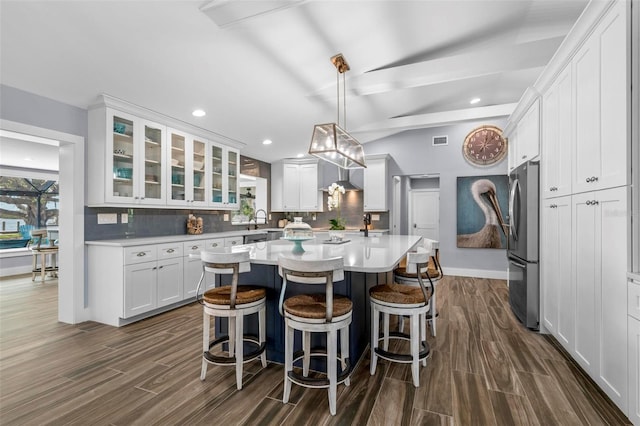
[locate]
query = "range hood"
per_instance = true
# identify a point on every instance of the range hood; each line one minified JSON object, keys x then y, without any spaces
{"x":343,"y":179}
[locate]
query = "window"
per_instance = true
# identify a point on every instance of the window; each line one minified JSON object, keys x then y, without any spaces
{"x":27,"y":204}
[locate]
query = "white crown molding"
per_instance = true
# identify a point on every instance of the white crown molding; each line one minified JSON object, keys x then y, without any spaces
{"x":586,"y":23}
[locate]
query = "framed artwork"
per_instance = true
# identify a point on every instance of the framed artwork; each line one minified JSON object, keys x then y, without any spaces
{"x":483,"y":203}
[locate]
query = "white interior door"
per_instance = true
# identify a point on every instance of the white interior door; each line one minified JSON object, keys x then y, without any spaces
{"x":424,"y":213}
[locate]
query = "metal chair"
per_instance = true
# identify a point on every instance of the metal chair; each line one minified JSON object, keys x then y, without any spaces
{"x":315,"y":313}
{"x":233,"y":302}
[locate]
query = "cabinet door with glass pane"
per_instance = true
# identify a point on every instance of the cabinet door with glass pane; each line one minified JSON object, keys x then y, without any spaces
{"x":178,"y":142}
{"x":198,"y":175}
{"x":152,"y":176}
{"x":122,"y":157}
{"x":225,"y":166}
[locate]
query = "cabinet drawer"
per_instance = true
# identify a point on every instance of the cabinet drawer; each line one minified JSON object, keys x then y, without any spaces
{"x":193,"y":247}
{"x":633,"y":299}
{"x":167,"y":251}
{"x":233,"y":241}
{"x":139,"y":254}
{"x":215,"y":243}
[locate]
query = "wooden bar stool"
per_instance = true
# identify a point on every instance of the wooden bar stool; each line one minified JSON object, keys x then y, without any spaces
{"x":233,"y":302}
{"x":433,"y":274}
{"x":46,"y":255}
{"x":403,"y":300}
{"x":315,"y":313}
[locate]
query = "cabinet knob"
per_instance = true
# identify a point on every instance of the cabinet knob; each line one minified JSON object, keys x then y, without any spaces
{"x":160,"y":267}
{"x":141,"y":254}
{"x":194,"y":247}
{"x":170,"y":251}
{"x":233,"y":243}
{"x":214,"y":245}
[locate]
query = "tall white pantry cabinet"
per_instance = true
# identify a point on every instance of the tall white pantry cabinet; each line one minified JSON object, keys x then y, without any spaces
{"x":585,"y":173}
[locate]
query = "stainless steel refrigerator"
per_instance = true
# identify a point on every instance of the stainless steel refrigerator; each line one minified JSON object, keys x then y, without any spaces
{"x":522,"y":248}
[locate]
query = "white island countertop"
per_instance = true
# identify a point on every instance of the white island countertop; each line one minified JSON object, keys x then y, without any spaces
{"x":361,"y":254}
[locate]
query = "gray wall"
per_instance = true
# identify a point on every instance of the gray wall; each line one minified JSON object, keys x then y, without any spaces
{"x":413,"y":154}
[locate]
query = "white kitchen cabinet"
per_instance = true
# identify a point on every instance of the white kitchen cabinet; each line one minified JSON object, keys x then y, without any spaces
{"x":557,"y":131}
{"x":633,"y":340}
{"x":140,"y":289}
{"x":294,"y":186}
{"x":523,"y":130}
{"x":187,"y":179}
{"x":224,"y":171}
{"x":127,"y":161}
{"x":558,"y":296}
{"x":599,"y":267}
{"x":154,"y":283}
{"x":528,"y":144}
{"x":600,"y":98}
{"x":375,"y":183}
{"x":512,"y":142}
{"x":192,"y":267}
{"x":139,"y":158}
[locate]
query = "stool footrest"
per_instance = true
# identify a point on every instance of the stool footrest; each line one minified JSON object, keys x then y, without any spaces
{"x":403,"y":358}
{"x":318,"y":382}
{"x":225,"y":360}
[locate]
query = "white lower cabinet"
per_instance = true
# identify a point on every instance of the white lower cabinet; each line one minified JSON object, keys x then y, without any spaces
{"x":599,"y":268}
{"x":154,"y":283}
{"x":633,"y":342}
{"x":558,"y":294}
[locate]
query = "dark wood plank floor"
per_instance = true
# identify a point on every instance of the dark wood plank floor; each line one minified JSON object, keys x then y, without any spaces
{"x":485,"y":369}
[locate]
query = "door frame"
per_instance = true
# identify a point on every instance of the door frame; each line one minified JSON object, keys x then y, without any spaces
{"x":72,"y":295}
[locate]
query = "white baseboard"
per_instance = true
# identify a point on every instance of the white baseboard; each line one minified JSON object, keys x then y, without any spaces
{"x":16,"y":270}
{"x":475,"y":273}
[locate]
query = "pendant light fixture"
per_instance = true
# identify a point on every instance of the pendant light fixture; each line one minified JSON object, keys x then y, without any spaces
{"x":332,"y":143}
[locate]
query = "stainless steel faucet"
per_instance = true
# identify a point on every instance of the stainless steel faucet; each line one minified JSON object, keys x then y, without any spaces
{"x":255,"y":217}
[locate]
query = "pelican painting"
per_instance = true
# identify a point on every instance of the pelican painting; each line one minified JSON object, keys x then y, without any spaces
{"x":480,"y":220}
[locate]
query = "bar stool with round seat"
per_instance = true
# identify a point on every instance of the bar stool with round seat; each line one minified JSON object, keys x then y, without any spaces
{"x":315,"y":313}
{"x":433,"y":274}
{"x":402,"y":300}
{"x":233,"y":302}
{"x":47,"y":255}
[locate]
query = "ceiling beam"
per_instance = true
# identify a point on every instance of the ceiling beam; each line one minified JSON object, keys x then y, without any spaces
{"x":436,"y":119}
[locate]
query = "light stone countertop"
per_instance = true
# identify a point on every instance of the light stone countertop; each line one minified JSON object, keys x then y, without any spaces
{"x":371,"y":254}
{"x":132,"y":242}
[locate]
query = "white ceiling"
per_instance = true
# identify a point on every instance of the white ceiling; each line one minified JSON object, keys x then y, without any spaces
{"x":266,"y":73}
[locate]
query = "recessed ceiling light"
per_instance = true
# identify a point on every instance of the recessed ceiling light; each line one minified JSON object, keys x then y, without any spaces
{"x":28,"y":159}
{"x":474,"y":101}
{"x":300,"y":155}
{"x":267,"y":142}
{"x":198,"y":113}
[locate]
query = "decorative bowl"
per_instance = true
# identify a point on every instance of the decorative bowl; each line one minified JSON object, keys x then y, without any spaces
{"x":197,"y":165}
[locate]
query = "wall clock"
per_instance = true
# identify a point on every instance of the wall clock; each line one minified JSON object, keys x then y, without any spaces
{"x":484,"y":146}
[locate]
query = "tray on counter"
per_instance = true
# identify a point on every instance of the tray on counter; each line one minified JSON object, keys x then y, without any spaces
{"x":335,"y":242}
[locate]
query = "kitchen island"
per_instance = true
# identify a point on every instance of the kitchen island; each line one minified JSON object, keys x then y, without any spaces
{"x":154,"y":277}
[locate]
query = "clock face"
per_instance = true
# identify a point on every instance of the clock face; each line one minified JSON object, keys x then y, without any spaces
{"x":484,"y":146}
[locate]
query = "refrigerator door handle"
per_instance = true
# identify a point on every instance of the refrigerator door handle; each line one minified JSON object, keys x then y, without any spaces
{"x":518,"y":264}
{"x":513,"y":219}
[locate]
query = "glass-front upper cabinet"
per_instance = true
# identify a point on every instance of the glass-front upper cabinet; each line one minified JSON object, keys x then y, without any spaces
{"x":198,"y":172}
{"x":135,"y":171}
{"x":178,"y":158}
{"x":188,"y":169}
{"x":224,"y":176}
{"x":154,"y":163}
